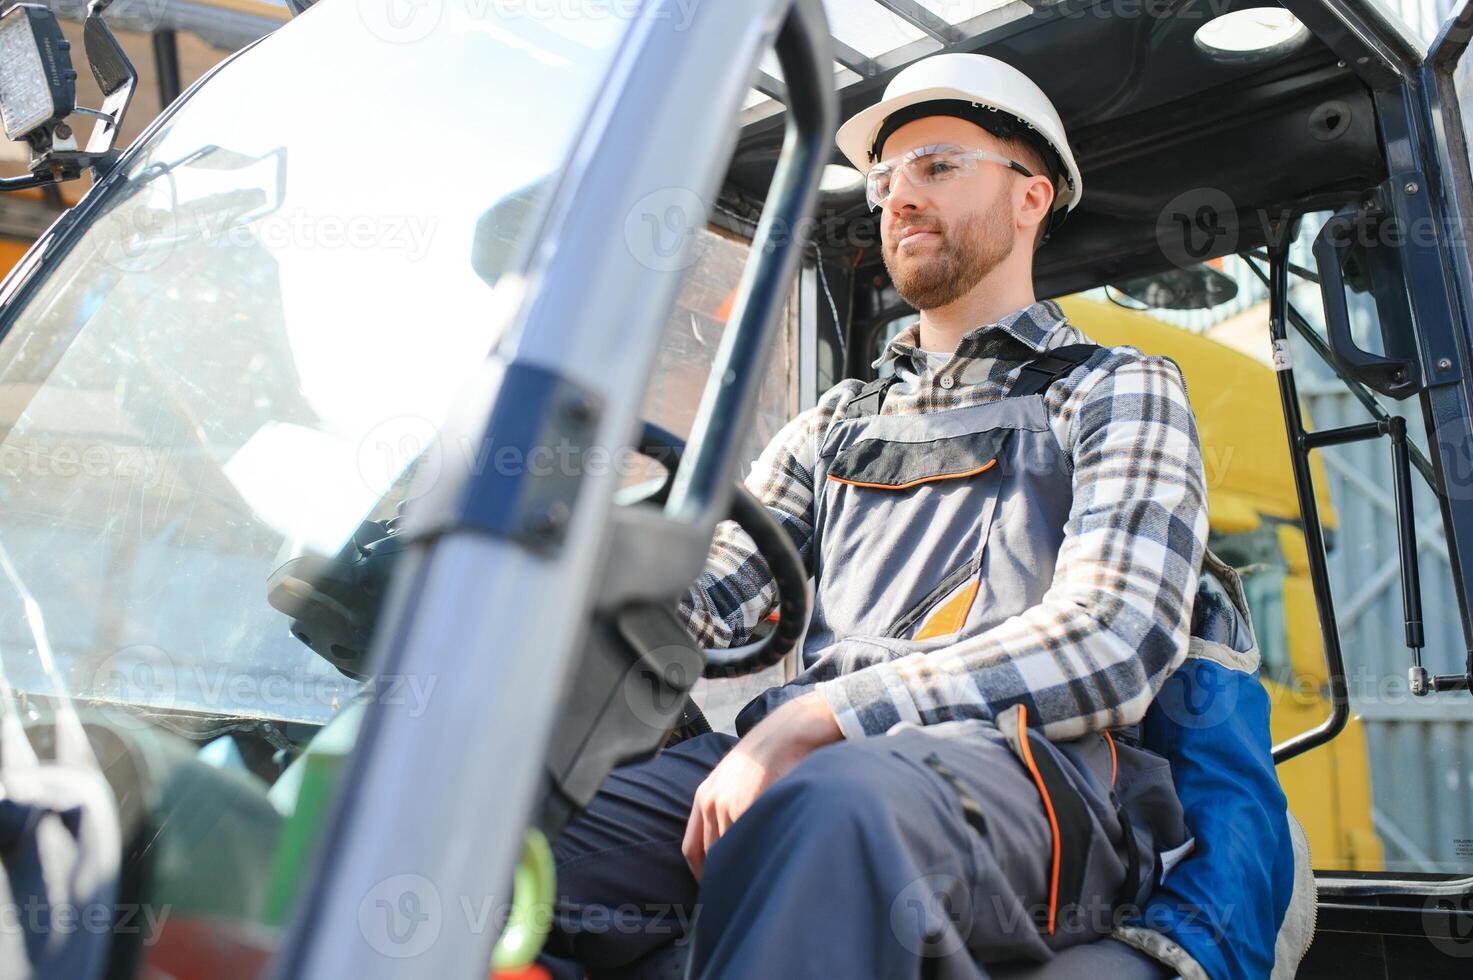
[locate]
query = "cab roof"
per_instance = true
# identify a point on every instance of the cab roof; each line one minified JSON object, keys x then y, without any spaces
{"x":1160,"y":126}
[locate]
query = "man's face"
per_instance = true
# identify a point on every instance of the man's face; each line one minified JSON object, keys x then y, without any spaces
{"x":941,"y":239}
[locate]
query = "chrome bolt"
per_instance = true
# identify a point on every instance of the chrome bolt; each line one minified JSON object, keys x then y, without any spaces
{"x":1411,"y":187}
{"x":1444,"y":364}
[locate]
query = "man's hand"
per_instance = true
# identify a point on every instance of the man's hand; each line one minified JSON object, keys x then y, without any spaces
{"x":778,"y":743}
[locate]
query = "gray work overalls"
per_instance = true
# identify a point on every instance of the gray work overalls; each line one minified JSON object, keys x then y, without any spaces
{"x":956,"y":851}
{"x":936,"y":527}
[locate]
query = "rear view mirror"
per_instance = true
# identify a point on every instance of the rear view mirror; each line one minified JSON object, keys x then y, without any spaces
{"x":38,"y":87}
{"x":116,"y":77}
{"x":1198,"y":287}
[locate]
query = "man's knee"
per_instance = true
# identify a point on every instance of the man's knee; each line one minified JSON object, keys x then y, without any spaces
{"x":843,"y":780}
{"x":846,"y":796}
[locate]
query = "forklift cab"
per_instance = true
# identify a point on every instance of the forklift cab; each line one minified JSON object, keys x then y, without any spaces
{"x":330,"y":532}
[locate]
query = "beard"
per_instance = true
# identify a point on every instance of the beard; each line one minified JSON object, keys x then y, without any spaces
{"x":963,"y":256}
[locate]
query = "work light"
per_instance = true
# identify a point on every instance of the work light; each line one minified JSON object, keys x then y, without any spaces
{"x":37,"y":83}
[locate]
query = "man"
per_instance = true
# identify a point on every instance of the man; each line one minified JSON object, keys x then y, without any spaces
{"x":1005,"y":542}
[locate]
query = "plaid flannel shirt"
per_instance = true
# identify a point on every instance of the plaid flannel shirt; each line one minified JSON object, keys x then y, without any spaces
{"x":1113,"y":625}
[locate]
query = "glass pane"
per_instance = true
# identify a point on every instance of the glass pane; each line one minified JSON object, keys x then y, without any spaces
{"x":1419,"y":20}
{"x":1418,"y":748}
{"x":1463,"y":84}
{"x":961,"y":11}
{"x":254,"y":347}
{"x":1393,"y":791}
{"x":692,"y":336}
{"x":687,"y":352}
{"x":1255,"y":526}
{"x":869,"y":28}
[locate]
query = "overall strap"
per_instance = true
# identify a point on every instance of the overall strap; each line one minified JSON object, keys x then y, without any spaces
{"x":1049,"y":367}
{"x":1037,"y":375}
{"x":870,"y":398}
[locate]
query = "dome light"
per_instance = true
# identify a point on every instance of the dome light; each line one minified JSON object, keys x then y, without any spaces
{"x":1256,"y":35}
{"x":838,"y":179}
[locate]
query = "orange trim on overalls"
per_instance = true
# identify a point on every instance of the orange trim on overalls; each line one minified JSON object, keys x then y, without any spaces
{"x":1114,"y":760}
{"x":952,"y":615}
{"x":1048,"y":807}
{"x":915,"y":483}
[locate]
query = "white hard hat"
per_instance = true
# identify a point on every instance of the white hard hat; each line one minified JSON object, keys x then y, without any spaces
{"x":992,"y":93}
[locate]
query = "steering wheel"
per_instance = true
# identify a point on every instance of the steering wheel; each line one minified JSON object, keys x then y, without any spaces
{"x":333,"y":602}
{"x":773,"y":545}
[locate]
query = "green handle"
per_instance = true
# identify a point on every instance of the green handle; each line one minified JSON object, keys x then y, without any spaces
{"x":531,"y":906}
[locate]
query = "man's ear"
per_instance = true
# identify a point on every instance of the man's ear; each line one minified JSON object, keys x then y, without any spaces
{"x":1038,"y":199}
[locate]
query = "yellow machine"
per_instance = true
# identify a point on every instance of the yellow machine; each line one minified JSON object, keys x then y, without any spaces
{"x":1255,"y":525}
{"x":10,"y":253}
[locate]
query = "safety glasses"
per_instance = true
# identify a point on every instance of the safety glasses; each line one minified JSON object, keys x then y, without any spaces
{"x":926,"y":165}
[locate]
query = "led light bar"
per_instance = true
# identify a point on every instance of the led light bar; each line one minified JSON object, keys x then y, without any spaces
{"x":37,"y":82}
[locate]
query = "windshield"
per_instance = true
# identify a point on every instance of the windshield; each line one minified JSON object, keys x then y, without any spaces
{"x":242,"y":359}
